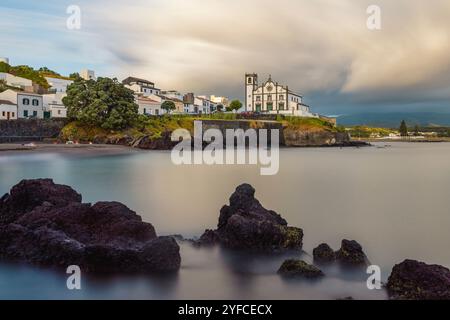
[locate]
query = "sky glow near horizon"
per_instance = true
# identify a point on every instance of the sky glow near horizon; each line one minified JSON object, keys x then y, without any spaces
{"x":321,"y":49}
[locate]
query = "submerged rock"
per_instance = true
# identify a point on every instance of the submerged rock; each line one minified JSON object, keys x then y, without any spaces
{"x":324,"y":254}
{"x":46,"y":223}
{"x":351,"y":253}
{"x":246,"y":224}
{"x":299,"y":268}
{"x":414,"y":280}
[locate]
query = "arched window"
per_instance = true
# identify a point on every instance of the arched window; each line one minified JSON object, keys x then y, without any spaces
{"x":26,"y":101}
{"x":35,"y":102}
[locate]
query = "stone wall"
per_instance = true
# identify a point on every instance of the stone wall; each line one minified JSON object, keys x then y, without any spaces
{"x":23,"y":130}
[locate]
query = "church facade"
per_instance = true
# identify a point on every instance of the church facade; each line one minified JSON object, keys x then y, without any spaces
{"x":272,"y":98}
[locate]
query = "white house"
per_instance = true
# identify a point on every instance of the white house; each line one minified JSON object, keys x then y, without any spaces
{"x":9,"y":95}
{"x":273,"y":98}
{"x":204,"y":105}
{"x":54,"y":106}
{"x":8,"y":110}
{"x":30,"y":105}
{"x":149,"y":106}
{"x":141,"y":86}
{"x":173,"y":94}
{"x":58,"y":85}
{"x":13,"y":81}
{"x":87,"y":74}
{"x":224,"y":101}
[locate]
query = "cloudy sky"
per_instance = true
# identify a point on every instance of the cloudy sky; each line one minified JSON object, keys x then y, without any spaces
{"x":320,"y":48}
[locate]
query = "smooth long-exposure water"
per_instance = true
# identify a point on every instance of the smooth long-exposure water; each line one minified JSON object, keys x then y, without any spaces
{"x":394,"y":201}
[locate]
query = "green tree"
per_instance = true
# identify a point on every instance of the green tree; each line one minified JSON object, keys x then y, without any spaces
{"x":416,"y":130}
{"x":74,"y":75}
{"x":168,"y":106}
{"x":234,"y":105}
{"x":47,"y":72}
{"x":403,"y":129}
{"x":103,"y":102}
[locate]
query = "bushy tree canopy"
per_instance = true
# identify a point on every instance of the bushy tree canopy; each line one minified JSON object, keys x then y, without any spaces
{"x":103,"y":102}
{"x":168,"y":106}
{"x":235,"y":105}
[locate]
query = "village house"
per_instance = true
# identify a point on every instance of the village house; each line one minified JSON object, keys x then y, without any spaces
{"x":30,"y":105}
{"x":17,"y":82}
{"x":224,"y":101}
{"x":198,"y":104}
{"x":53,"y":105}
{"x":87,"y":74}
{"x":8,"y":110}
{"x":58,"y":85}
{"x":148,"y":106}
{"x":179,"y":105}
{"x":272,"y":98}
{"x":141,"y":86}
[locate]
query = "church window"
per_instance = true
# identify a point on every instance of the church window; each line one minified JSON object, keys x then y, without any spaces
{"x":281,"y":97}
{"x":258,"y":98}
{"x":269,"y":97}
{"x":249,"y":80}
{"x":281,"y":106}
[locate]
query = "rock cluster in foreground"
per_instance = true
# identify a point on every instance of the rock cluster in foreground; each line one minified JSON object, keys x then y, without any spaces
{"x":350,"y":253}
{"x":414,"y":280}
{"x":46,"y":224}
{"x":246,"y":225}
{"x":299,"y":268}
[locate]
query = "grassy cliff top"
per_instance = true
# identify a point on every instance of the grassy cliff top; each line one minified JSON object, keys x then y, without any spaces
{"x":156,"y":126}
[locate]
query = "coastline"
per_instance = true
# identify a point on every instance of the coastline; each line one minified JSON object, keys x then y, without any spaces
{"x":72,"y":149}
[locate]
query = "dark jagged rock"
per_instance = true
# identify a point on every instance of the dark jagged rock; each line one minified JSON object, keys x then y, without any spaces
{"x":324,"y":254}
{"x":45,"y":223}
{"x":351,"y":253}
{"x":246,"y":224}
{"x":414,"y":280}
{"x":299,"y":268}
{"x":29,"y":194}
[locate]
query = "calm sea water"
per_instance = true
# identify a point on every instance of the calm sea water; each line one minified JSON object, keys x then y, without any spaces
{"x":393,"y":200}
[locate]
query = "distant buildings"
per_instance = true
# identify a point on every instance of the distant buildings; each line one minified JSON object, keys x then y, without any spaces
{"x":17,"y":82}
{"x":58,"y":85}
{"x":141,"y":86}
{"x":272,"y":98}
{"x":87,"y":74}
{"x":220,"y":100}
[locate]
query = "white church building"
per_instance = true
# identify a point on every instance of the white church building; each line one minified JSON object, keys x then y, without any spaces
{"x":272,"y":98}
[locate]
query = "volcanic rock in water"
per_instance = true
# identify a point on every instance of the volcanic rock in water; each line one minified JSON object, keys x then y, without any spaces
{"x":299,"y":268}
{"x":246,"y":224}
{"x":351,"y":253}
{"x":45,"y":223}
{"x":414,"y":280}
{"x":324,"y":254}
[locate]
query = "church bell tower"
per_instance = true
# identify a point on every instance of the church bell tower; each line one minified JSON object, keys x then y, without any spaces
{"x":251,"y":81}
